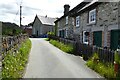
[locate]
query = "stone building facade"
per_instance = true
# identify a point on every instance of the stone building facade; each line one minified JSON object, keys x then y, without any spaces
{"x":42,"y":25}
{"x":106,"y":25}
{"x":0,"y":48}
{"x":65,"y":24}
{"x":95,"y":23}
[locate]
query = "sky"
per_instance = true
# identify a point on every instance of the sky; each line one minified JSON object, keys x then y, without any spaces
{"x":10,"y":9}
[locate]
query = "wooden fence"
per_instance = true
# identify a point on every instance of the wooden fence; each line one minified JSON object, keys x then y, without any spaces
{"x":105,"y":55}
{"x":12,"y":43}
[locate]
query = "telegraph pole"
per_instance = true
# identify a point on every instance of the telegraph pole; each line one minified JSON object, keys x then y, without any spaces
{"x":20,"y":15}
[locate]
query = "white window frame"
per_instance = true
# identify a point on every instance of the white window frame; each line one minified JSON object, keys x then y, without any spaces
{"x":66,"y":19}
{"x":66,"y":32}
{"x":73,"y":21}
{"x":77,"y":21}
{"x":92,"y":16}
{"x":84,"y":36}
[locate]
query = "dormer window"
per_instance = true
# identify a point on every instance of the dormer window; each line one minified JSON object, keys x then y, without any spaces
{"x":92,"y":16}
{"x":77,"y":21}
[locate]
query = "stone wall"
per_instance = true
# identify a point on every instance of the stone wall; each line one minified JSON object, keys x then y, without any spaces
{"x":12,"y":43}
{"x":0,"y":49}
{"x":107,"y":20}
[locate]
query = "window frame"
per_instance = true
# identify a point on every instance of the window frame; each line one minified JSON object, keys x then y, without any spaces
{"x":92,"y":16}
{"x":34,"y":30}
{"x":84,"y":36}
{"x":66,"y":33}
{"x":67,"y":19}
{"x":58,"y":24}
{"x":73,"y":21}
{"x":77,"y":21}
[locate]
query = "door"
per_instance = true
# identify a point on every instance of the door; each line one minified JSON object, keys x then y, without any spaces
{"x":62,"y":33}
{"x":97,"y":38}
{"x":37,"y":33}
{"x":115,"y":39}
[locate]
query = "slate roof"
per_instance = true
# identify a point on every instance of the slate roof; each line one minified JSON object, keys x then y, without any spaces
{"x":82,"y":6}
{"x":46,"y":20}
{"x":74,"y":10}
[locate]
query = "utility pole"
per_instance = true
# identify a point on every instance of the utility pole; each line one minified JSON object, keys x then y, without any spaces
{"x":20,"y":15}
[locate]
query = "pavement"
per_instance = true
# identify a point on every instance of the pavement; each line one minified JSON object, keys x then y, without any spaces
{"x":47,"y":61}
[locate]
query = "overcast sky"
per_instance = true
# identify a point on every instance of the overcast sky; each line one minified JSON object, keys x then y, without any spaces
{"x":9,"y":9}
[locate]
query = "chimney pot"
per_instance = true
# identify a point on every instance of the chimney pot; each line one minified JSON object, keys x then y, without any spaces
{"x":66,"y":8}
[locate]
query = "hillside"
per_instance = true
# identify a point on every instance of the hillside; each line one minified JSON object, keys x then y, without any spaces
{"x":10,"y":29}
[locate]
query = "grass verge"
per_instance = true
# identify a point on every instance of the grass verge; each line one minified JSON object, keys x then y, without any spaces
{"x":61,"y":46}
{"x":14,"y":64}
{"x":47,"y":39}
{"x":106,"y":70}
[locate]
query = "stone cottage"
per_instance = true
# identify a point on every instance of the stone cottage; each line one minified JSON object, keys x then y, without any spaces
{"x":42,"y":25}
{"x":65,"y":24}
{"x":97,"y":23}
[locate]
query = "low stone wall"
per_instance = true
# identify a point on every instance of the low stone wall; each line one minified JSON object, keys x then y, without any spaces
{"x":12,"y":43}
{"x":0,"y":48}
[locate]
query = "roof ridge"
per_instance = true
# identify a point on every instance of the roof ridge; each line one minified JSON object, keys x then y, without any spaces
{"x":45,"y":16}
{"x":46,"y":20}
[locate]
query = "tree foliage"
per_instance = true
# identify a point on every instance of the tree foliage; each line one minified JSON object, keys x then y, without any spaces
{"x":10,"y":29}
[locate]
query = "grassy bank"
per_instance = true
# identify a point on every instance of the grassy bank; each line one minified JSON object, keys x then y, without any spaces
{"x":14,"y":64}
{"x":61,"y":46}
{"x":47,"y":39}
{"x":106,"y":70}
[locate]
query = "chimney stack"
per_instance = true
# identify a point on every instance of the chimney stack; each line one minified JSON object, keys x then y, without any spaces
{"x":66,"y":8}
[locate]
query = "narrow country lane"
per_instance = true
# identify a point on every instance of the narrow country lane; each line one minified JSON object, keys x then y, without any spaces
{"x":47,"y":61}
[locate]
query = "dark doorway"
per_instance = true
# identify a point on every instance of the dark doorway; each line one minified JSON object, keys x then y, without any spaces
{"x":37,"y":33}
{"x":115,"y":39}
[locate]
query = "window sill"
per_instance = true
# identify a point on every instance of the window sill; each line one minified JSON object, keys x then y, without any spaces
{"x":85,"y":43}
{"x":91,"y":23}
{"x":77,"y":26}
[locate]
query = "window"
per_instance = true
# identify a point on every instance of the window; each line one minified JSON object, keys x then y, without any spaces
{"x":66,"y":33}
{"x":33,"y":30}
{"x":58,"y":24}
{"x":73,"y":21}
{"x":77,"y":21}
{"x":85,"y":37}
{"x":67,"y":20}
{"x":92,"y":16}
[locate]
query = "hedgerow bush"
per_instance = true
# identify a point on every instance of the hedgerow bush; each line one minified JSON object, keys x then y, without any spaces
{"x":14,"y":64}
{"x":47,"y":39}
{"x":63,"y":47}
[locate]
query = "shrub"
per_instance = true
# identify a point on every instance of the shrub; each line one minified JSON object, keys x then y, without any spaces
{"x":14,"y":64}
{"x":51,"y":33}
{"x":117,"y":57}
